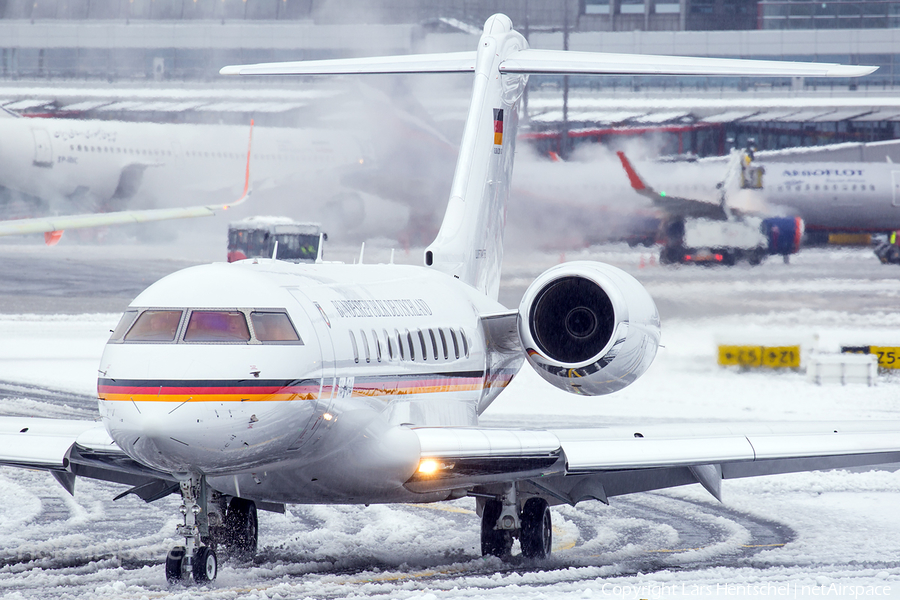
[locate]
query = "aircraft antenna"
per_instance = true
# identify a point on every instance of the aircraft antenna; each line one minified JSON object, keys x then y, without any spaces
{"x":275,"y":251}
{"x":362,"y":249}
{"x":319,"y":251}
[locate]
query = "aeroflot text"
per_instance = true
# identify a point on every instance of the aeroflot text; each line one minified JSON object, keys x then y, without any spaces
{"x":768,"y":590}
{"x":824,"y":173}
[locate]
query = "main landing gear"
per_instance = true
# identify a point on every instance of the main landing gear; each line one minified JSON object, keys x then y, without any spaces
{"x":241,"y":529}
{"x":502,"y":520}
{"x":204,"y":526}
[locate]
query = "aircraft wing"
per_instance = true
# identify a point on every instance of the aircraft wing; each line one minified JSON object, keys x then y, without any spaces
{"x":63,"y":222}
{"x":69,"y":449}
{"x":673,"y":205}
{"x":576,"y":464}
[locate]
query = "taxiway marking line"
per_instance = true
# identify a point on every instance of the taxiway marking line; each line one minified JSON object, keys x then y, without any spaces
{"x":665,"y":550}
{"x":436,"y":506}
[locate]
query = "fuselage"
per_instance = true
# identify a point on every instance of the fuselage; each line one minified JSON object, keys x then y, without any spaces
{"x":101,"y":162}
{"x":837,"y":196}
{"x":204,"y":375}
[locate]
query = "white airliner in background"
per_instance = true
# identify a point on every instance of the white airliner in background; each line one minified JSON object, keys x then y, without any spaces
{"x":96,"y":173}
{"x":260,"y":383}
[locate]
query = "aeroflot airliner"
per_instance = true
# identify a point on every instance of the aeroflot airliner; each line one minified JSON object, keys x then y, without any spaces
{"x":829,"y":197}
{"x":840,"y":197}
{"x":259,"y":383}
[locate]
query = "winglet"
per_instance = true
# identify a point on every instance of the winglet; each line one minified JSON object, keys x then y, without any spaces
{"x":636,"y":182}
{"x":247,"y":190}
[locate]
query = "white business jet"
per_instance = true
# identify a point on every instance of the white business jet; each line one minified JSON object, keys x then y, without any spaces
{"x":261,"y":383}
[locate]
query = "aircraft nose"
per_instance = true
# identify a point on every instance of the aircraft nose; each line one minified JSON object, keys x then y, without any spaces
{"x":212,"y":432}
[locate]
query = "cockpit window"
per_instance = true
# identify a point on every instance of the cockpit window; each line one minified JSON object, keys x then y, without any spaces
{"x":273,"y":327}
{"x":217,"y":326}
{"x":124,"y":323}
{"x":154,"y":326}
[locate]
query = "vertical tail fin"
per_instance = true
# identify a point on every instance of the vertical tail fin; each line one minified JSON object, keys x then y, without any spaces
{"x":469,"y":244}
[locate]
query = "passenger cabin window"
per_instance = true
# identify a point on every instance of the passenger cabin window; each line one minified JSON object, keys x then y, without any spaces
{"x":217,"y":326}
{"x":455,"y":343}
{"x":433,"y":344}
{"x":355,"y":349}
{"x":124,"y":323}
{"x":273,"y":327}
{"x":365,"y":341}
{"x":155,"y":326}
{"x":377,"y":345}
{"x":422,"y":344}
{"x":412,"y":349}
{"x":400,"y":345}
{"x":444,"y":343}
{"x":390,"y":346}
{"x":465,"y":343}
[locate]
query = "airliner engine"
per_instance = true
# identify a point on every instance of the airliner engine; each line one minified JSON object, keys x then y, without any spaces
{"x":588,"y":328}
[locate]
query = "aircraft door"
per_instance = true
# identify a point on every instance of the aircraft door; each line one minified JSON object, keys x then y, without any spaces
{"x":895,"y":188}
{"x":43,"y":150}
{"x":329,"y":388}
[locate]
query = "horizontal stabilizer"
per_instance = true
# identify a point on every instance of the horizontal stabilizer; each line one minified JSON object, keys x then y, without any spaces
{"x":601,"y":63}
{"x":555,"y":61}
{"x":445,"y":62}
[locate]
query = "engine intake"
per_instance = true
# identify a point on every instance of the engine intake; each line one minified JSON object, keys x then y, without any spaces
{"x":572,"y":319}
{"x":588,"y":328}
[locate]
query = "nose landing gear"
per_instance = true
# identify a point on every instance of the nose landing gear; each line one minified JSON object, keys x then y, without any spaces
{"x":210,"y":517}
{"x":194,"y":559}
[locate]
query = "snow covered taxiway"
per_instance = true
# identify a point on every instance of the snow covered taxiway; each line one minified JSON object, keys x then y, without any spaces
{"x":829,"y":534}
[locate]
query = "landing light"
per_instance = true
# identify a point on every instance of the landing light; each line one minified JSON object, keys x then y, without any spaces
{"x":327,"y":416}
{"x":428,"y":466}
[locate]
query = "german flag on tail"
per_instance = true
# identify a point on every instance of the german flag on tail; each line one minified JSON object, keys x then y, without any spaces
{"x":498,"y":126}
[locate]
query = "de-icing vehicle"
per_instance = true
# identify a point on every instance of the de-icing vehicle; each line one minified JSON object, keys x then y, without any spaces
{"x":261,"y":383}
{"x":696,"y":231}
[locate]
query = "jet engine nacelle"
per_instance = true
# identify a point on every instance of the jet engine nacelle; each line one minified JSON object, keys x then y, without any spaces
{"x":588,"y":328}
{"x":784,"y":234}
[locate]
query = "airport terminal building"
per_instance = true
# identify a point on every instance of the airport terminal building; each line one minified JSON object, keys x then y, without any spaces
{"x":187,"y":41}
{"x":184,"y":39}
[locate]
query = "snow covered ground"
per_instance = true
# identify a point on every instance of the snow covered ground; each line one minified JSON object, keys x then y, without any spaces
{"x":830,"y":534}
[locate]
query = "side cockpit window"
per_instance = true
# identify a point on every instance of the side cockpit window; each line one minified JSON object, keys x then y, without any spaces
{"x":155,"y":326}
{"x":124,"y":323}
{"x":217,"y":326}
{"x":273,"y":327}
